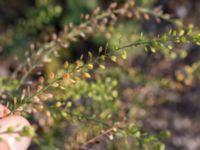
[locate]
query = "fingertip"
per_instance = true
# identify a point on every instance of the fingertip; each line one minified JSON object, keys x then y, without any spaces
{"x":4,"y":146}
{"x":3,"y":111}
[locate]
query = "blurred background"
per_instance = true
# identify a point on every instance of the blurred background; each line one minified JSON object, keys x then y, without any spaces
{"x":159,"y":91}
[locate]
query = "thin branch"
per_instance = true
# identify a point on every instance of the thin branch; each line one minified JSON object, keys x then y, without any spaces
{"x":106,"y":133}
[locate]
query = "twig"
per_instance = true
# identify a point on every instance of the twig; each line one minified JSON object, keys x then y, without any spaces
{"x":106,"y":133}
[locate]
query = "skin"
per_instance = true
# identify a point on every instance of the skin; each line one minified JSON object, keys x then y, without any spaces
{"x":17,"y":122}
{"x":4,"y":145}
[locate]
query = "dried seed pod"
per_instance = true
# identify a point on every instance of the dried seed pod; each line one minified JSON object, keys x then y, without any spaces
{"x":39,"y":87}
{"x":51,"y":76}
{"x":14,"y":101}
{"x":66,"y":65}
{"x":41,"y":80}
{"x":66,"y":76}
{"x":76,"y":78}
{"x":113,"y":5}
{"x":146,"y":17}
{"x":39,"y":108}
{"x":96,"y":10}
{"x":77,"y":64}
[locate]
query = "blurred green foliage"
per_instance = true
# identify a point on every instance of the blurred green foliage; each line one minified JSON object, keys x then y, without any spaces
{"x":68,"y":110}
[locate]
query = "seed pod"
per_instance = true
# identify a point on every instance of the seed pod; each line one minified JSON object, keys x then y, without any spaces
{"x":76,"y":78}
{"x":90,"y":66}
{"x":146,"y":17}
{"x":58,"y":104}
{"x":55,"y":84}
{"x":102,"y":66}
{"x":66,"y":76}
{"x":39,"y":108}
{"x":113,"y":58}
{"x":41,"y":80}
{"x":51,"y":76}
{"x":90,"y":54}
{"x":113,"y":5}
{"x":66,"y":65}
{"x":124,"y":55}
{"x":39,"y":87}
{"x":77,"y":63}
{"x":86,"y":75}
{"x":72,"y":81}
{"x":48,"y":113}
{"x":14,"y":101}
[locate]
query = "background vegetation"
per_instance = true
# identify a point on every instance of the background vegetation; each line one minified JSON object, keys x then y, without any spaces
{"x":99,"y":74}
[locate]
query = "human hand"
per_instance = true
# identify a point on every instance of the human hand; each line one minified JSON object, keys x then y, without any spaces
{"x":9,"y":141}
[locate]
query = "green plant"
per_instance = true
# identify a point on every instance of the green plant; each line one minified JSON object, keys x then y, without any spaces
{"x":85,"y":96}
